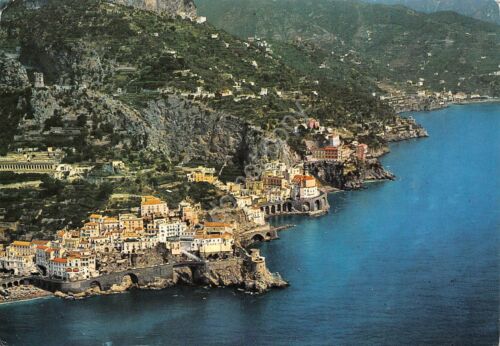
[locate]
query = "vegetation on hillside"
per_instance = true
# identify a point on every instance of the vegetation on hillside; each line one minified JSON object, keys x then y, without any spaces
{"x":486,"y":10}
{"x":447,"y":50}
{"x":112,"y":48}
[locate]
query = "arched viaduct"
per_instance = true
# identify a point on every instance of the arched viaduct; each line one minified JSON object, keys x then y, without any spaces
{"x":13,"y":282}
{"x":258,"y":235}
{"x":314,"y":205}
{"x":139,"y":276}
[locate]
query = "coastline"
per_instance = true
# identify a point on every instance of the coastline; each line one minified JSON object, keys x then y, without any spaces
{"x":327,"y":189}
{"x":340,"y":269}
{"x":493,"y":100}
{"x":48,"y":295}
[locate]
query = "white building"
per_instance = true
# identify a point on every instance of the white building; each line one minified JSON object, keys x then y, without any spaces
{"x":215,"y":244}
{"x":255,"y":215}
{"x":152,"y":206}
{"x":304,"y":187}
{"x":57,"y":268}
{"x":171,"y":230}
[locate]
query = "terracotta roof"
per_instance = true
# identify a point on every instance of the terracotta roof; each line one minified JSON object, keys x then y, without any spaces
{"x":60,"y":260}
{"x":95,"y":216}
{"x":21,"y":243}
{"x":303,"y":177}
{"x":217,"y":224}
{"x":153,"y":202}
{"x":42,"y":247}
{"x":214,"y":236}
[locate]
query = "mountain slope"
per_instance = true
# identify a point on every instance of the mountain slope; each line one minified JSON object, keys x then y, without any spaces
{"x":486,"y":10}
{"x":447,"y":50}
{"x":119,"y":80}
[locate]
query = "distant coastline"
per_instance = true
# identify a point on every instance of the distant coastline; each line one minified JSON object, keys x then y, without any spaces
{"x":448,"y":104}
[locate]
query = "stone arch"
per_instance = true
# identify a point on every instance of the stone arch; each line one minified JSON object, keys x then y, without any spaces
{"x":267,"y":210}
{"x":269,"y":236}
{"x":288,"y":207}
{"x":42,"y":269}
{"x":96,"y":286}
{"x":258,"y":238}
{"x":318,"y":204}
{"x":306,"y":206}
{"x":9,"y":284}
{"x":278,"y":208}
{"x":16,"y":283}
{"x":4,"y":285}
{"x":273,"y":209}
{"x":133,"y":278}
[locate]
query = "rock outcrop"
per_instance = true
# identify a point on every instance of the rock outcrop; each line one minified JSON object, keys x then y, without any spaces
{"x":248,"y":272}
{"x":171,"y":125}
{"x":12,"y":74}
{"x":349,"y":176}
{"x":239,"y":273}
{"x":182,"y":8}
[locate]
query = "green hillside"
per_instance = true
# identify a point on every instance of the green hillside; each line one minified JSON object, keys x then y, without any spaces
{"x":447,"y":50}
{"x":141,"y":52}
{"x":486,"y":10}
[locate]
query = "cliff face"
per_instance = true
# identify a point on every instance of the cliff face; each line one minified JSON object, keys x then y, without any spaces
{"x":235,"y":272}
{"x":183,"y":8}
{"x":12,"y":74}
{"x":344,"y":177}
{"x":172,"y":126}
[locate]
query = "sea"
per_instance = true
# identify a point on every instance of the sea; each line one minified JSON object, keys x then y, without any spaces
{"x":409,"y":262}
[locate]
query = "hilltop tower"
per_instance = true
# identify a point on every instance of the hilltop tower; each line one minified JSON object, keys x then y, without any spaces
{"x":39,"y":83}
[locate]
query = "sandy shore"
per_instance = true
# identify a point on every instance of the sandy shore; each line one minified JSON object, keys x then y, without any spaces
{"x":23,"y":293}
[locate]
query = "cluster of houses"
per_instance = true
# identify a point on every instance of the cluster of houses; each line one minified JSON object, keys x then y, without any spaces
{"x":403,"y":101}
{"x":331,"y":148}
{"x":277,"y":183}
{"x":76,"y":254}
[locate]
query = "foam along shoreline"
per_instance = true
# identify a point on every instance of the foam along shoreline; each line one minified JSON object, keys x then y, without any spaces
{"x":45,"y":295}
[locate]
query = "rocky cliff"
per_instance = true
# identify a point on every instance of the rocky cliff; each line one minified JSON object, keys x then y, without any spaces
{"x":12,"y":74}
{"x":235,"y":272}
{"x":171,"y":125}
{"x":183,"y":8}
{"x":349,"y":176}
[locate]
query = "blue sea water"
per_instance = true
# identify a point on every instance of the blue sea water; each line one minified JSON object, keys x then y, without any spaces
{"x":409,"y":262}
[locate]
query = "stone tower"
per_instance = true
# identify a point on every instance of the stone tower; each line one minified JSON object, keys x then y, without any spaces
{"x":258,"y":262}
{"x":39,"y":83}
